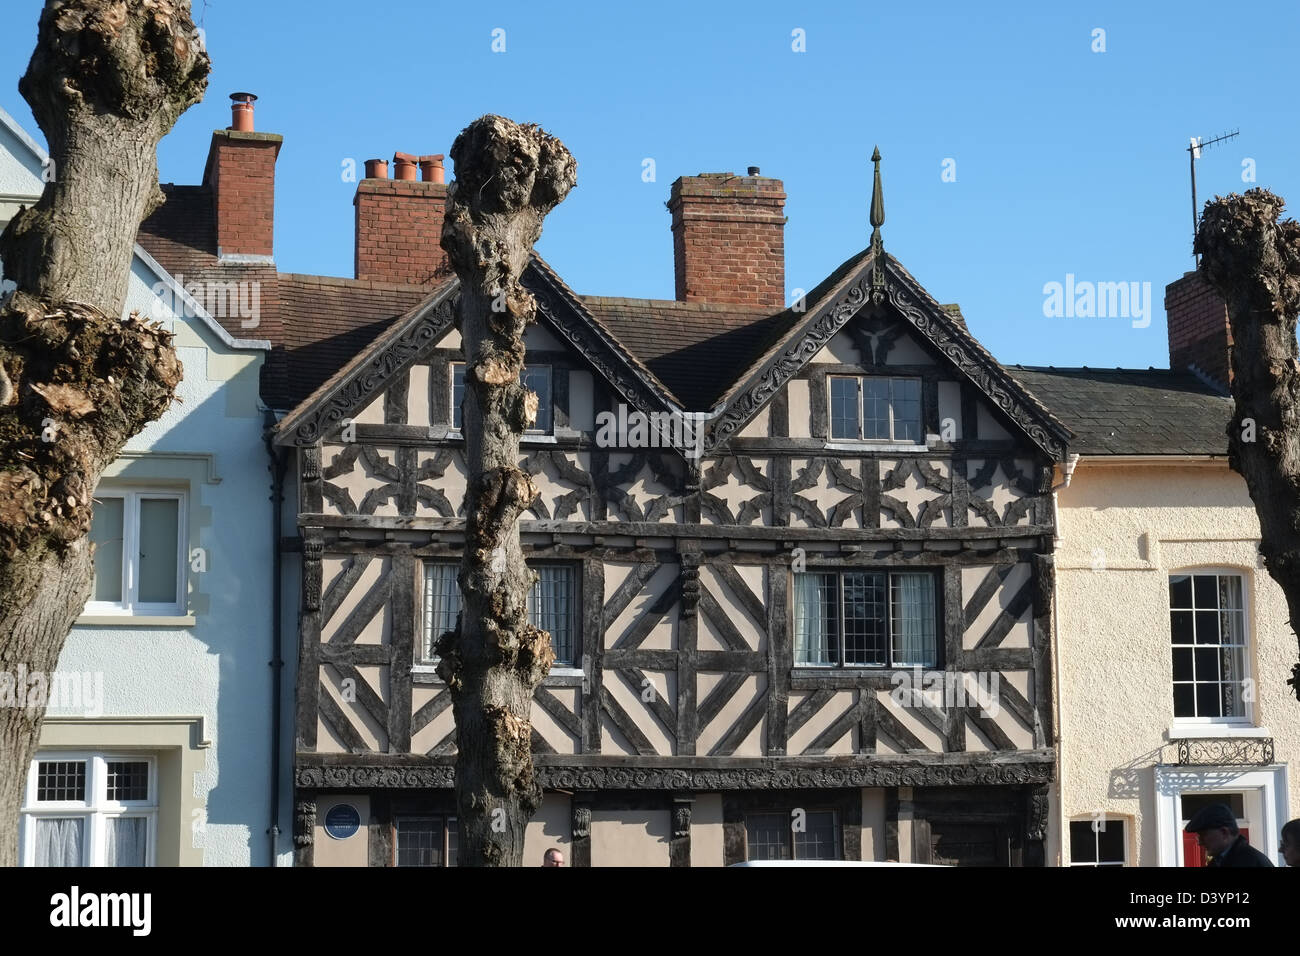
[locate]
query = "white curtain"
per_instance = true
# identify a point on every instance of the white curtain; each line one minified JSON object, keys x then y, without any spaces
{"x":59,"y":841}
{"x":1232,"y":635}
{"x":549,"y":607}
{"x":812,"y":625}
{"x":126,"y":841}
{"x":441,"y":603}
{"x":914,"y":622}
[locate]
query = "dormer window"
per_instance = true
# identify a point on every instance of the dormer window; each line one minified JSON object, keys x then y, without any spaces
{"x":535,"y":377}
{"x":875,"y":408}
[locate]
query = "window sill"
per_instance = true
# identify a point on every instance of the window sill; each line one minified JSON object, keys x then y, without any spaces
{"x":842,"y":445}
{"x":1186,"y":731}
{"x":428,"y":674}
{"x":129,"y":620}
{"x":456,"y":434}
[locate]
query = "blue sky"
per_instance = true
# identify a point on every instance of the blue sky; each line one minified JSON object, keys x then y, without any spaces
{"x":1066,"y":160}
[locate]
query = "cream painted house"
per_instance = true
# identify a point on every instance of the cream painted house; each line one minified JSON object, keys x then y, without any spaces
{"x":157,"y":748}
{"x":1173,"y":645}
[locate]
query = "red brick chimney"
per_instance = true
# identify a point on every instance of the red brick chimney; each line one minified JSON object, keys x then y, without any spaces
{"x":1199,"y":333}
{"x":399,"y":221}
{"x":729,"y":239}
{"x":241,"y":175}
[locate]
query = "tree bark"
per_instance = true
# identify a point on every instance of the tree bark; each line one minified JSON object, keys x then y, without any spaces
{"x":106,"y":82}
{"x":1253,"y":261}
{"x":508,"y":177}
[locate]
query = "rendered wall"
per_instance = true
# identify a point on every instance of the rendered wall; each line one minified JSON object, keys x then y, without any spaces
{"x":1124,"y":530}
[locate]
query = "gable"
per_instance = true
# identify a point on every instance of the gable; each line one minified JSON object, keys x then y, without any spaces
{"x":424,"y":391}
{"x":876,"y":316}
{"x":419,"y":346}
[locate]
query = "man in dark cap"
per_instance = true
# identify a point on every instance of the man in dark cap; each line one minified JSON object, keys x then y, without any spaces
{"x":1216,"y":830}
{"x":1290,"y":848}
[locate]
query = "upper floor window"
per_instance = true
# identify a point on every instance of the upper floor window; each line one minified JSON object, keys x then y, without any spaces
{"x":797,"y":835}
{"x":535,"y":377}
{"x":139,"y":552}
{"x":552,"y":606}
{"x":1207,"y":621}
{"x":90,"y":810}
{"x":875,"y":408}
{"x":872,"y":618}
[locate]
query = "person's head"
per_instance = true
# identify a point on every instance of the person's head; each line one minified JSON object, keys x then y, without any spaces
{"x":553,"y":857}
{"x":1290,"y":847}
{"x":1215,"y":827}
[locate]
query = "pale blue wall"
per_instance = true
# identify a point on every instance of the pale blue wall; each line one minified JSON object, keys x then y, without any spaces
{"x":218,"y":667}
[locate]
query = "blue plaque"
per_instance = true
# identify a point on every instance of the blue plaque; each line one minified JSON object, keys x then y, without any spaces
{"x":342,"y":821}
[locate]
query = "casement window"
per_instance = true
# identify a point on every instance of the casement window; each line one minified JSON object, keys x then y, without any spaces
{"x":795,"y":835}
{"x":139,"y":552}
{"x":874,"y":408}
{"x":424,"y":841}
{"x":552,"y":606}
{"x":1099,"y":842}
{"x":535,"y":377}
{"x":866,"y":618}
{"x":90,"y":809}
{"x":1207,"y":622}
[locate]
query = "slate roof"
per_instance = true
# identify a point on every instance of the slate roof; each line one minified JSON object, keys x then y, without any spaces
{"x":696,"y":349}
{"x":328,"y":321}
{"x":1132,"y":411}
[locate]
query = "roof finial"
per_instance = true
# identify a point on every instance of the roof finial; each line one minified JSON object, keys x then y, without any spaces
{"x":877,"y":220}
{"x":877,"y":202}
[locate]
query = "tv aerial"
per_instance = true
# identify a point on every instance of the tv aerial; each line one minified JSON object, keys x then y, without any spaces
{"x":1194,"y":152}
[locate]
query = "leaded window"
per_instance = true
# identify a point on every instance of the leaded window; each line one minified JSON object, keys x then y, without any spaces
{"x":866,"y":618}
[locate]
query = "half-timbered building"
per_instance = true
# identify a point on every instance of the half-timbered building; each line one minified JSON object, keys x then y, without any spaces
{"x":823,"y":630}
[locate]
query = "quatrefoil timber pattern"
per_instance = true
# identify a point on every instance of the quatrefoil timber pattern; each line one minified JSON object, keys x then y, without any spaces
{"x":924,"y":476}
{"x":741,"y":477}
{"x":833,"y":478}
{"x":645,"y":487}
{"x":1016,"y":484}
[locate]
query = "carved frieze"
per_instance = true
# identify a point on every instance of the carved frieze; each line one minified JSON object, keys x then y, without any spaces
{"x":869,"y":773}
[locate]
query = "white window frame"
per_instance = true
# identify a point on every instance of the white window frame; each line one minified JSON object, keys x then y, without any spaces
{"x":532,"y":433}
{"x":891,"y":440}
{"x":1242,"y":725}
{"x":95,"y":809}
{"x":1106,"y":819}
{"x":130,"y":605}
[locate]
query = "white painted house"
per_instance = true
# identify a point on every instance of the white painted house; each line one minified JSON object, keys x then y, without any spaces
{"x":158,"y":747}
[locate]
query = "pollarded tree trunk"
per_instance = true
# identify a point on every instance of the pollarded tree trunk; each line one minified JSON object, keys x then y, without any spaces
{"x":106,"y":82}
{"x":1253,"y":260}
{"x":508,"y":177}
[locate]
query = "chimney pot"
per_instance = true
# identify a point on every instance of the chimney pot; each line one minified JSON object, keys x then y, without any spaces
{"x":404,"y":165}
{"x":431,"y":168}
{"x":241,"y":112}
{"x":376,"y":169}
{"x":753,"y":170}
